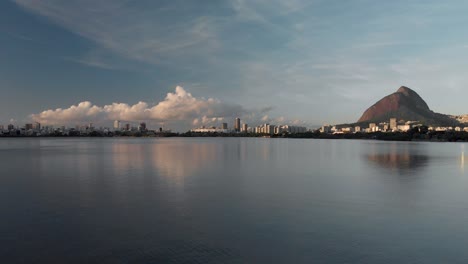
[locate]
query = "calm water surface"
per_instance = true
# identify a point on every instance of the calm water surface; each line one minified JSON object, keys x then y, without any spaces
{"x":232,"y":200}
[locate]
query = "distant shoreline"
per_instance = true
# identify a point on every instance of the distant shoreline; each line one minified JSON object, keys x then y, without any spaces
{"x":439,"y":136}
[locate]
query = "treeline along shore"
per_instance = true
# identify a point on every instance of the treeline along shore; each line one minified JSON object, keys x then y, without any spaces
{"x":416,"y":134}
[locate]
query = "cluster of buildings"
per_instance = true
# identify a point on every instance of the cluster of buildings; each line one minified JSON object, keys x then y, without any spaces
{"x":392,"y":126}
{"x":273,"y":129}
{"x":118,"y":126}
{"x":244,"y":128}
{"x":457,"y":129}
{"x":461,"y":118}
{"x":29,"y":129}
{"x":35,"y":129}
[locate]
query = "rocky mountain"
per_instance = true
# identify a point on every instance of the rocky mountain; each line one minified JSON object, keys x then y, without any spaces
{"x":404,"y":104}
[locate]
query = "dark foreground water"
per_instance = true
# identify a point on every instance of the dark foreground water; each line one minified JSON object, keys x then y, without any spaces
{"x":232,"y":200}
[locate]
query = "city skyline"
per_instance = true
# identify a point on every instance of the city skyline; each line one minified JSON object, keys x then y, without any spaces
{"x":238,"y":126}
{"x":277,"y":62}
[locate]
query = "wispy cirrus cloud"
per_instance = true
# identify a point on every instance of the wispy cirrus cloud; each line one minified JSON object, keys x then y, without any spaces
{"x":92,"y":62}
{"x":163,"y":32}
{"x":129,"y":30}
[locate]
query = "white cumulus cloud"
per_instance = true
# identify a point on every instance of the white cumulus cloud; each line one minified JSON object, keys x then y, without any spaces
{"x":177,"y":106}
{"x":180,"y":108}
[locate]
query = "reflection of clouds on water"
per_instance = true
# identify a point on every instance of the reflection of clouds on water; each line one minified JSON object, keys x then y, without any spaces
{"x":172,"y":159}
{"x":462,"y":161}
{"x":178,"y":159}
{"x":403,"y":159}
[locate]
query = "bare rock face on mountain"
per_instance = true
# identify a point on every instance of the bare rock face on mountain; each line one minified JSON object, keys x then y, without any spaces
{"x":404,"y":104}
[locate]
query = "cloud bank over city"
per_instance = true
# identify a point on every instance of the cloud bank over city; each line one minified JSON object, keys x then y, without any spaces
{"x":179,"y":108}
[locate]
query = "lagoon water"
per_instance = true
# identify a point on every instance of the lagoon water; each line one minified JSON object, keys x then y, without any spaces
{"x":232,"y":200}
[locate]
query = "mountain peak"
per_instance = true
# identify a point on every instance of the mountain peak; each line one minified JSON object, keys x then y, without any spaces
{"x":403,"y":104}
{"x":407,"y":91}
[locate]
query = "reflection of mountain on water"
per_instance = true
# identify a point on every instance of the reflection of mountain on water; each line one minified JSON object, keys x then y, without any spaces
{"x":400,"y":160}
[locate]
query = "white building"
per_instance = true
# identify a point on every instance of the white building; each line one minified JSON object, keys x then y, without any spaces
{"x":347,"y":129}
{"x":272,"y":129}
{"x":403,"y":128}
{"x":209,"y":130}
{"x":393,"y":123}
{"x":116,"y":125}
{"x":244,"y":128}
{"x":325,"y":129}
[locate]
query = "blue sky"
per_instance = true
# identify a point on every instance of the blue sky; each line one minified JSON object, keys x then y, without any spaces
{"x":310,"y":62}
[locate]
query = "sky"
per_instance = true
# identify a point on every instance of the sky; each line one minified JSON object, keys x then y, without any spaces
{"x":191,"y":63}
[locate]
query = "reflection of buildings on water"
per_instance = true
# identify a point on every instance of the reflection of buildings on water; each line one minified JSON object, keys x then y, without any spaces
{"x":401,"y":160}
{"x":126,"y":156}
{"x":462,"y":157}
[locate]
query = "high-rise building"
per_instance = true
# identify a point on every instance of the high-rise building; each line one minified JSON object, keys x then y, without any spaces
{"x":237,"y":125}
{"x":1,"y":127}
{"x":37,"y":126}
{"x":224,"y":126}
{"x":278,"y":129}
{"x":127,"y":127}
{"x":142,"y":126}
{"x":244,"y":128}
{"x":28,"y":126}
{"x":325,"y":129}
{"x":270,"y":129}
{"x":11,"y":127}
{"x":116,"y":125}
{"x":393,"y":123}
